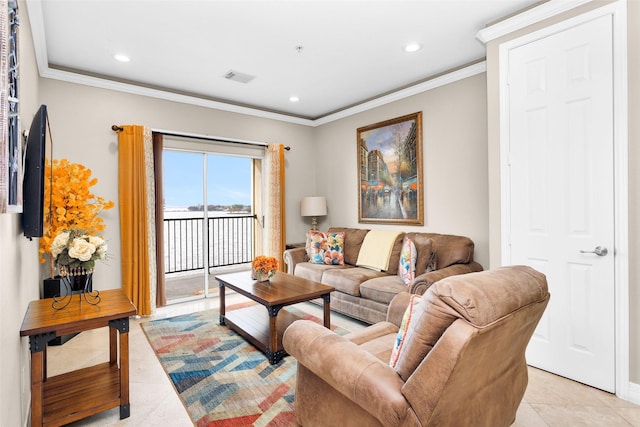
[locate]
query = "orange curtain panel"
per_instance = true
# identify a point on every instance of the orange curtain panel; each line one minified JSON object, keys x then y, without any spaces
{"x":137,"y":216}
{"x":275,"y":238}
{"x":161,"y":297}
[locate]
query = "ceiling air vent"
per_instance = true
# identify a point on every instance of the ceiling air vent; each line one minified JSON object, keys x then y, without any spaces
{"x":237,"y":76}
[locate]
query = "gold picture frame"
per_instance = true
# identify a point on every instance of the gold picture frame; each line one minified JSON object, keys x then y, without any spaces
{"x":390,"y":172}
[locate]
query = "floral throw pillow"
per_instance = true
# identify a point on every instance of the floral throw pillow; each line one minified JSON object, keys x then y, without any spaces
{"x":334,"y":255}
{"x":326,"y":248}
{"x":407,"y":263}
{"x":316,"y":245}
{"x":398,"y":346}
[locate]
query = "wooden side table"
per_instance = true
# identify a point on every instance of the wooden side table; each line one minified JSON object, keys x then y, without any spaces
{"x":74,"y":395}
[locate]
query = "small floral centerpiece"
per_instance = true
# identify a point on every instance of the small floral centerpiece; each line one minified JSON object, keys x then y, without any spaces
{"x":75,"y":252}
{"x":263,"y":267}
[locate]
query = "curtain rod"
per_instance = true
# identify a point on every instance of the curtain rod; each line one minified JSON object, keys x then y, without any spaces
{"x":117,"y":128}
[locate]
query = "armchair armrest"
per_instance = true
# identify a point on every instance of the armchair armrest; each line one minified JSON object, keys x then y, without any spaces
{"x":424,"y":281}
{"x":357,"y":374}
{"x":293,"y":256}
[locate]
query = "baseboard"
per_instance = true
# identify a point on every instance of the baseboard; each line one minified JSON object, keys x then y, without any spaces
{"x":633,"y":393}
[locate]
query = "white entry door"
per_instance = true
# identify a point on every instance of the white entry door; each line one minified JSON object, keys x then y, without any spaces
{"x":561,"y":195}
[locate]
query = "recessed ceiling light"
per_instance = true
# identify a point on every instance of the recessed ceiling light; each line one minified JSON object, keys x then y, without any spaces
{"x":294,"y":99}
{"x":412,"y":47}
{"x":121,"y":57}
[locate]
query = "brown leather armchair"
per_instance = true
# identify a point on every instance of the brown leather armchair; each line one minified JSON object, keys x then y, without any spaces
{"x":463,"y":361}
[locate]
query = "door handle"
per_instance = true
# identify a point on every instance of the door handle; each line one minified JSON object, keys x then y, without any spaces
{"x":599,"y":250}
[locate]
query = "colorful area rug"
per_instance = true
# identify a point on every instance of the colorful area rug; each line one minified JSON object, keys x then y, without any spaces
{"x":221,"y":379}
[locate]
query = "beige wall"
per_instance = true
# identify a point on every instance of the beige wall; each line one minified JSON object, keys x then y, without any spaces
{"x":19,"y":269}
{"x":454,"y":161}
{"x":633,"y":40}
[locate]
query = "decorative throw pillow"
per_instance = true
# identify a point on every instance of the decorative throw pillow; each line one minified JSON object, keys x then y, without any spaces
{"x":407,"y":263}
{"x":307,"y":245}
{"x":398,"y":347}
{"x":317,"y":245}
{"x":426,"y":249}
{"x":334,"y":255}
{"x":325,"y":248}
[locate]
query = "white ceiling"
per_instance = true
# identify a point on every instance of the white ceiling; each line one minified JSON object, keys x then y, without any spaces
{"x":352,"y":51}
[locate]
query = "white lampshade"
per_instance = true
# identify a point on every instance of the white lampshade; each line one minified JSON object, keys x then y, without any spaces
{"x":313,"y":206}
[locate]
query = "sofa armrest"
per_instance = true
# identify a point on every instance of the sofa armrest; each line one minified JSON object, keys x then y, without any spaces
{"x":424,"y":281}
{"x":293,"y":256}
{"x":397,"y":307}
{"x":357,"y":374}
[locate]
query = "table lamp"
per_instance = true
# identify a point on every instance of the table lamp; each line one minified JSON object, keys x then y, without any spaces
{"x":313,"y":206}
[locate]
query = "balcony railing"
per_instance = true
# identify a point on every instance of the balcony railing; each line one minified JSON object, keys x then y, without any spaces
{"x":229,"y":242}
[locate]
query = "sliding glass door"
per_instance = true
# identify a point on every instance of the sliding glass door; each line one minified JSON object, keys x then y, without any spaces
{"x":209,"y":220}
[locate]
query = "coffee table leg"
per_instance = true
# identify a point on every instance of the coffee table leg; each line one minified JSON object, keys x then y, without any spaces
{"x":222,"y":303}
{"x":273,"y":354}
{"x":327,"y":310}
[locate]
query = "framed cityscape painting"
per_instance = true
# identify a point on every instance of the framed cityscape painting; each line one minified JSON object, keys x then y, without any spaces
{"x":390,"y":171}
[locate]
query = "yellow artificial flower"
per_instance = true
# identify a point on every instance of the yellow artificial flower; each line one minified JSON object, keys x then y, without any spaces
{"x":69,"y":203}
{"x":264,"y":263}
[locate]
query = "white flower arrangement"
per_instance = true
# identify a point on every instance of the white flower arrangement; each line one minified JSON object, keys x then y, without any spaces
{"x":73,"y":250}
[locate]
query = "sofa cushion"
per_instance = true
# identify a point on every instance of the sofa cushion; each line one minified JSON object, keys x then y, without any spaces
{"x":394,"y":257}
{"x":348,"y":280}
{"x":470,"y":295}
{"x":382,"y":289}
{"x":308,"y":270}
{"x":359,"y":308}
{"x":452,"y":250}
{"x":380,"y":347}
{"x":426,"y":249}
{"x":376,"y":339}
{"x":407,"y":264}
{"x":353,"y":238}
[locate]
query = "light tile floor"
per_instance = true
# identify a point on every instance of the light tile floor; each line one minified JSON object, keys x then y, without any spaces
{"x":549,"y":400}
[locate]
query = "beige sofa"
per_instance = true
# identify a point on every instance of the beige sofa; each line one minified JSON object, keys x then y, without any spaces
{"x":365,"y":294}
{"x":462,"y":362}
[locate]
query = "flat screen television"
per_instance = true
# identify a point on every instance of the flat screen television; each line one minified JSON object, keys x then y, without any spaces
{"x":34,"y":171}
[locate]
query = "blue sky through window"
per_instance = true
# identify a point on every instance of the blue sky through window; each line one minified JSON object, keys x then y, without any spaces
{"x":228,"y":182}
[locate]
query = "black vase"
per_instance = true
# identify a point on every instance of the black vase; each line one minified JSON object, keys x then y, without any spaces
{"x":56,"y":287}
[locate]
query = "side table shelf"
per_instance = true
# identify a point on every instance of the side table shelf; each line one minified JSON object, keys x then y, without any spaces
{"x":75,"y":395}
{"x":78,"y":394}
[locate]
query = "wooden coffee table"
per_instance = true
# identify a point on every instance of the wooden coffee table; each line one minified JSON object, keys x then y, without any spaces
{"x":265,"y":330}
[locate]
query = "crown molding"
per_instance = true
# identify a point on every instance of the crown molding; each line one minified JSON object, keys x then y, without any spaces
{"x":453,"y":76}
{"x":528,"y":17}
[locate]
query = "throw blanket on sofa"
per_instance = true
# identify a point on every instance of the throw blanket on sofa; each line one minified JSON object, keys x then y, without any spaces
{"x":376,"y":249}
